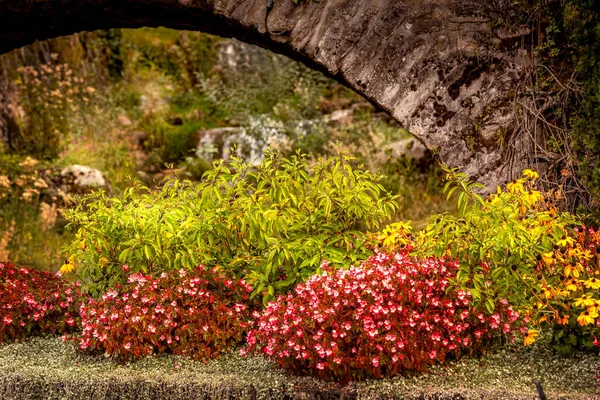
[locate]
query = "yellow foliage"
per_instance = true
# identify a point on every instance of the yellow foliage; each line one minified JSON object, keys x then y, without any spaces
{"x":530,"y":174}
{"x":565,"y":241}
{"x":585,"y":301}
{"x":573,"y":270}
{"x":395,"y":235}
{"x":593,"y":283}
{"x":571,"y":285}
{"x":531,"y":197}
{"x":68,"y":267}
{"x":548,"y":259}
{"x":530,"y":336}
{"x":588,"y":317}
{"x":515,"y":186}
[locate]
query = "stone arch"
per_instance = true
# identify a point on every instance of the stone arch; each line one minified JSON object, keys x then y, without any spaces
{"x":439,"y":67}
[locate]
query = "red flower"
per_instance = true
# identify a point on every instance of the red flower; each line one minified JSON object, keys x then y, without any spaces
{"x":189,"y":313}
{"x":34,"y":302}
{"x":392,"y":314}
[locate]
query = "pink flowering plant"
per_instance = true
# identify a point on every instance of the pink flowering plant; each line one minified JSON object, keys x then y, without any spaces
{"x":199,"y":313}
{"x":36,"y":302}
{"x":393,"y":314}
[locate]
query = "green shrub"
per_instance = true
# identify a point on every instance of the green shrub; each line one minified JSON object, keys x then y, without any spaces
{"x":171,"y":143}
{"x":202,"y":107}
{"x":194,"y":167}
{"x":516,"y":245}
{"x":127,"y":98}
{"x":500,"y":242}
{"x":180,"y":55}
{"x":272,"y":224}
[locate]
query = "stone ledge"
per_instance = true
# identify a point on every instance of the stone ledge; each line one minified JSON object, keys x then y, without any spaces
{"x":46,"y":368}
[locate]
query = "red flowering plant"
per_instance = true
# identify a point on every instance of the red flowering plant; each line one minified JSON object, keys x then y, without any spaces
{"x":199,"y":314}
{"x":394,"y":313}
{"x":36,"y":302}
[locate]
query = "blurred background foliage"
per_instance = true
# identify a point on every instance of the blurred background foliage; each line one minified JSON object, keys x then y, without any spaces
{"x":149,"y":103}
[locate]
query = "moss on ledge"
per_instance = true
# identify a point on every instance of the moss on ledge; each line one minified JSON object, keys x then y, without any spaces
{"x":46,"y":368}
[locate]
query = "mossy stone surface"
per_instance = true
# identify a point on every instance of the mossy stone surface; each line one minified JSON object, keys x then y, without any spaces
{"x":47,"y":368}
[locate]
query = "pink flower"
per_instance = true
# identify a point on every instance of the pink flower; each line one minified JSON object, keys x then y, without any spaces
{"x":524,"y":329}
{"x":375,"y":362}
{"x":127,"y":345}
{"x":496,"y":321}
{"x":151,"y":328}
{"x":7,"y":320}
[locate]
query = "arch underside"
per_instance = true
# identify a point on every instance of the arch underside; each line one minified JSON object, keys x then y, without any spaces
{"x":437,"y":66}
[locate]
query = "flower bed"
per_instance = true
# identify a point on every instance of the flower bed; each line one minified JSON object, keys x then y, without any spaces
{"x":199,"y":314}
{"x":392,"y":314}
{"x":35,"y":302}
